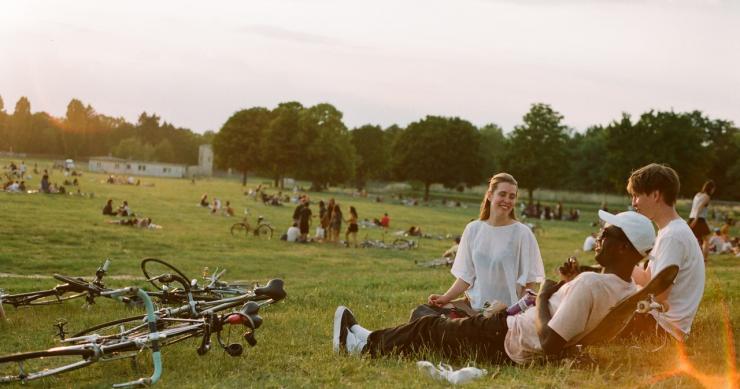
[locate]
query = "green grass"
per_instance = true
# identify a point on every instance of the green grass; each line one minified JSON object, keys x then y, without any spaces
{"x":43,"y":234}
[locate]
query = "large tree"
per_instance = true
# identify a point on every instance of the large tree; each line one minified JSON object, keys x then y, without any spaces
{"x":493,"y":147}
{"x":439,"y":150}
{"x":283,"y":141}
{"x":373,"y":154}
{"x":238,"y":144}
{"x":327,"y":156}
{"x":537,"y":149}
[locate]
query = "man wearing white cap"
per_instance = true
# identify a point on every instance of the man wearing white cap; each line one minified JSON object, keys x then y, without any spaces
{"x":564,"y":312}
{"x":654,"y":189}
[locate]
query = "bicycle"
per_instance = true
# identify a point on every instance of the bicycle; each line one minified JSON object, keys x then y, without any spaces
{"x":153,"y":334}
{"x":269,"y":294}
{"x":71,"y":288}
{"x":160,"y":274}
{"x":263,"y":229}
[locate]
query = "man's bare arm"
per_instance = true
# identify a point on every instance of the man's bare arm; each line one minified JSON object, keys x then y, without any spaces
{"x":551,"y":342}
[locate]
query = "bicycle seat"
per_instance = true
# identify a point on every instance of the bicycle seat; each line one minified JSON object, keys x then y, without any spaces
{"x":273,"y":289}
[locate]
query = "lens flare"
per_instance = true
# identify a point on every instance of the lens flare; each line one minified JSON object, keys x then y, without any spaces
{"x":685,"y":367}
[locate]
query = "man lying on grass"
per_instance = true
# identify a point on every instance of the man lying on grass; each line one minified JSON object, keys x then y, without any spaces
{"x":564,"y":313}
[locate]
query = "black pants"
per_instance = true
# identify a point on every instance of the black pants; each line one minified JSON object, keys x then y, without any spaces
{"x":642,"y":324}
{"x":477,"y":336}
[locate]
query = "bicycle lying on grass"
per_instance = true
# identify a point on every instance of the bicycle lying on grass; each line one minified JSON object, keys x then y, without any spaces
{"x":71,"y":288}
{"x":154,"y":333}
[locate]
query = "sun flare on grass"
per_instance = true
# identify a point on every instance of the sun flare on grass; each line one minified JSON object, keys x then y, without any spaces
{"x":685,"y":367}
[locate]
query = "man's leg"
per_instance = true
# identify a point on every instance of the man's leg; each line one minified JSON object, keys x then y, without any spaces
{"x":483,"y":337}
{"x":641,"y":325}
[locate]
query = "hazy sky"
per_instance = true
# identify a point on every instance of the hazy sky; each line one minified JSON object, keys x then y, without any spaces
{"x":380,"y":62}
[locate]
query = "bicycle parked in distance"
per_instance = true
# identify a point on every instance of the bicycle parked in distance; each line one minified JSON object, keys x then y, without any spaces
{"x":153,"y":333}
{"x":261,"y":230}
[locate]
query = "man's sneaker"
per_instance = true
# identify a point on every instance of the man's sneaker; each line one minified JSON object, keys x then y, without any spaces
{"x":343,"y":320}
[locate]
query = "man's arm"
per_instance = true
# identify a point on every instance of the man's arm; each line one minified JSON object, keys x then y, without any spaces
{"x":551,"y":342}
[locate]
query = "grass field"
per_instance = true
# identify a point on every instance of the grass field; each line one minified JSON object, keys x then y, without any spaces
{"x":43,"y":234}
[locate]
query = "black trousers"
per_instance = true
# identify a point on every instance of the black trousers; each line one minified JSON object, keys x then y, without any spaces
{"x":642,"y":324}
{"x":478,"y":337}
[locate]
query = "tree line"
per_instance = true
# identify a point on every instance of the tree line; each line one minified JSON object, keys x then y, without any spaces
{"x":313,"y":143}
{"x":83,"y":132}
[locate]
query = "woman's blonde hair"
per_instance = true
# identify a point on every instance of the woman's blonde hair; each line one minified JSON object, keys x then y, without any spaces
{"x":485,"y":206}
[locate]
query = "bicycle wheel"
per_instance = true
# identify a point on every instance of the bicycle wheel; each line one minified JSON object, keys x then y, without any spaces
{"x":153,"y":267}
{"x":263,"y":231}
{"x":33,"y":365}
{"x":238,"y":229}
{"x":401,"y":244}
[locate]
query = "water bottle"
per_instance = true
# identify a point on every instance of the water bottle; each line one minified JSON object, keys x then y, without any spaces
{"x":528,"y":300}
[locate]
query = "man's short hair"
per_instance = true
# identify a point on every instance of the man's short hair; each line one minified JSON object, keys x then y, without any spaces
{"x":652,"y":177}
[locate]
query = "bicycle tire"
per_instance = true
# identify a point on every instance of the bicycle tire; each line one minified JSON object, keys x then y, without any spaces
{"x":156,"y":283}
{"x":238,"y":229}
{"x":401,"y":244}
{"x":43,"y":363}
{"x":264,"y":231}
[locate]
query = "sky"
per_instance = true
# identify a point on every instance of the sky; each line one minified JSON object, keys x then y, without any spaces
{"x":195,"y":63}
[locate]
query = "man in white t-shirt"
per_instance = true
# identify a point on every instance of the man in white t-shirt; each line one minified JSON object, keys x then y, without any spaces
{"x":564,"y":313}
{"x":589,"y":243}
{"x":654,"y":189}
{"x":293,"y":233}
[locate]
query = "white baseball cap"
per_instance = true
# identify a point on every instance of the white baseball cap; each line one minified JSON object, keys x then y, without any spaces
{"x":638,"y":228}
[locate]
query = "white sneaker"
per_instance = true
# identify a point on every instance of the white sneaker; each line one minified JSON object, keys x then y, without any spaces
{"x":343,"y":320}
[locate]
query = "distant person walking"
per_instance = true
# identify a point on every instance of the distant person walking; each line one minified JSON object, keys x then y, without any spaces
{"x":698,"y":216}
{"x":352,"y":228}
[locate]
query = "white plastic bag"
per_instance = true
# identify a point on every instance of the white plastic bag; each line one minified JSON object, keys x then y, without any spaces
{"x":445,"y":372}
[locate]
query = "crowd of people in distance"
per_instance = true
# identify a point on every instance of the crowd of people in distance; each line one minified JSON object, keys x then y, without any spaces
{"x":123,"y":180}
{"x":16,"y":179}
{"x":216,"y":207}
{"x":328,"y":228}
{"x":546,"y":212}
{"x":129,"y":218}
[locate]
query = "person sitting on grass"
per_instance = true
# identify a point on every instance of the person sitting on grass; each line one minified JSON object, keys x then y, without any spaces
{"x":204,"y":200}
{"x":108,"y":208}
{"x":228,"y":210}
{"x":414,"y":231}
{"x":124,"y":210}
{"x":564,"y":312}
{"x":293,"y":233}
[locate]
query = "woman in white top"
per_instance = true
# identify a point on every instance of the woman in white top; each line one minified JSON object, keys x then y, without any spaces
{"x":698,"y":216}
{"x":498,"y":257}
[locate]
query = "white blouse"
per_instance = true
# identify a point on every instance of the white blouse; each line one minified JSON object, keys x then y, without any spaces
{"x":497,"y":262}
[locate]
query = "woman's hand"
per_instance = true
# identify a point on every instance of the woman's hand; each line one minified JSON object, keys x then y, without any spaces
{"x":438,"y":300}
{"x":569,"y":270}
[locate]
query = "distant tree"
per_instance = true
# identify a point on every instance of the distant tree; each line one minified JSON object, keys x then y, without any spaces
{"x":373,"y":154}
{"x":133,"y":148}
{"x":238,"y":144}
{"x":537,"y":149}
{"x":439,"y":150}
{"x":164,"y":152}
{"x":493,"y":148}
{"x":587,"y":156}
{"x":283,"y":141}
{"x":391,"y":134}
{"x":672,"y":138}
{"x":2,"y":105}
{"x":19,"y":129}
{"x":327,"y":155}
{"x":722,"y":144}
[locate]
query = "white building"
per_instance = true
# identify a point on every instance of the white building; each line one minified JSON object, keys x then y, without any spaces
{"x":113,"y":165}
{"x":205,"y":162}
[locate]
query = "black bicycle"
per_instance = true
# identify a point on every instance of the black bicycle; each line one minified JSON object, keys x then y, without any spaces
{"x":151,"y":333}
{"x":71,"y":288}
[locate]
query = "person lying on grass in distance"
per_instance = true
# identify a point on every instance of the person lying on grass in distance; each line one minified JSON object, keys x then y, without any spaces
{"x":564,"y":311}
